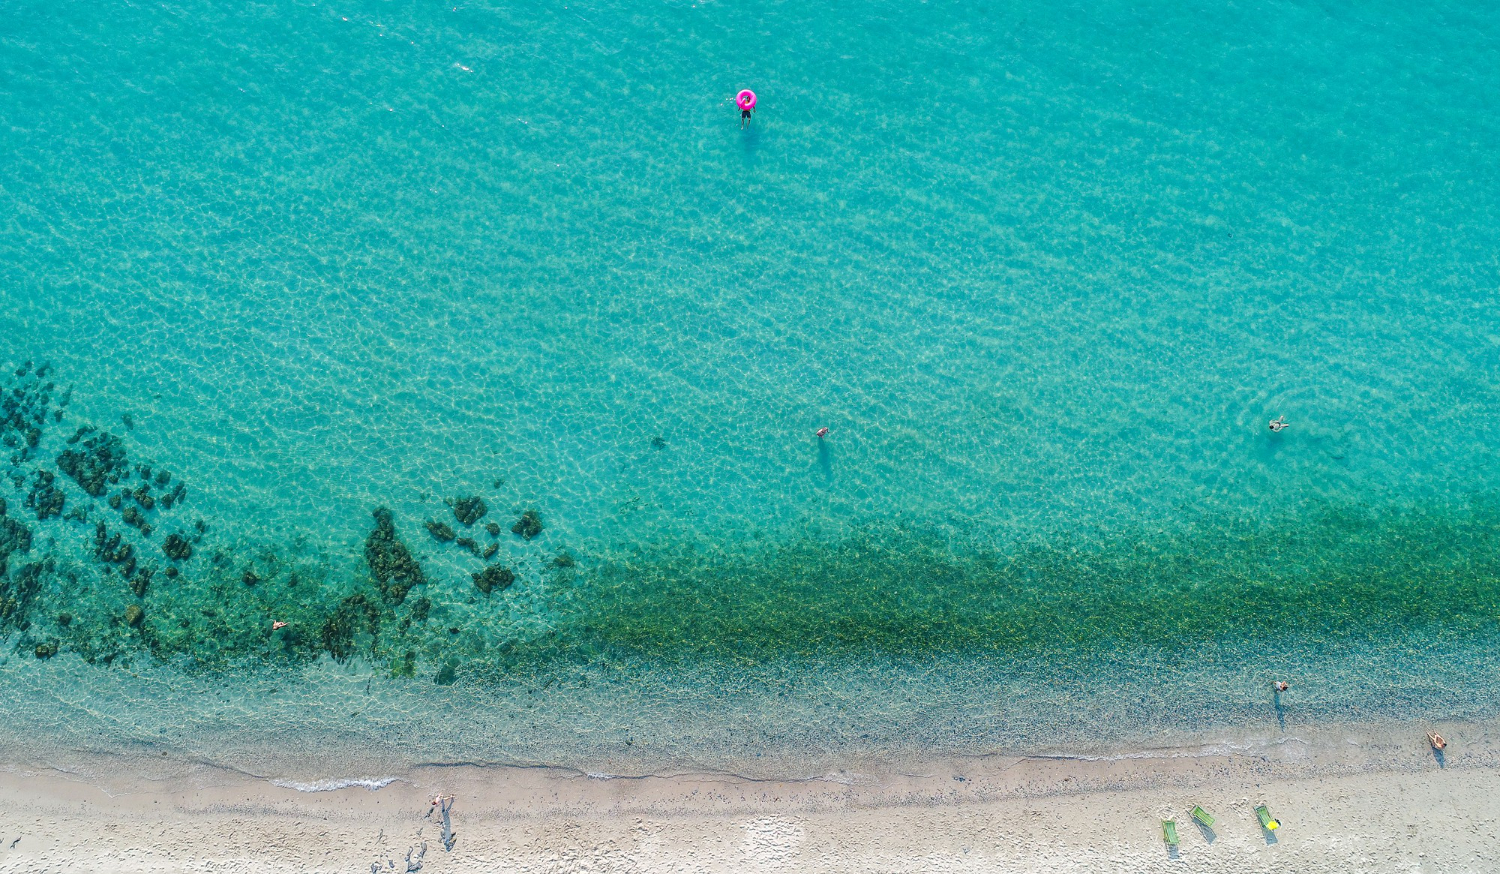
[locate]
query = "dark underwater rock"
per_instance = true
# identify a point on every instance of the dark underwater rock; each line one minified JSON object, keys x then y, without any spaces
{"x":564,"y":560}
{"x":99,"y":457}
{"x":489,"y":551}
{"x":65,"y":619}
{"x":447,"y":675}
{"x":175,"y":496}
{"x":494,"y":577}
{"x":493,"y":528}
{"x":177,"y":547}
{"x":134,"y":615}
{"x":250,"y":577}
{"x":14,"y":537}
{"x":468,"y":543}
{"x":45,"y":497}
{"x":391,"y":563}
{"x":20,"y":591}
{"x":468,"y":510}
{"x":419,"y":609}
{"x":442,"y":532}
{"x":111,"y":548}
{"x":46,"y":650}
{"x":353,"y":615}
{"x":141,"y":582}
{"x":528,"y":526}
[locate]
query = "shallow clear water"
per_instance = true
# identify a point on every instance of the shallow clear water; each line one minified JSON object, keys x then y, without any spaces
{"x":1044,"y":273}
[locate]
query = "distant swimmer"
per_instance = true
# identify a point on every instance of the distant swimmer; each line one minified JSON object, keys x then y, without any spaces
{"x":822,"y":432}
{"x":1436,"y":740}
{"x":745,"y":100}
{"x":1279,"y":423}
{"x":1282,"y":686}
{"x":278,"y":625}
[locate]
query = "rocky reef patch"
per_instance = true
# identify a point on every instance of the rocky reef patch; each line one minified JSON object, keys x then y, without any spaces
{"x":96,"y":461}
{"x":391,"y":563}
{"x":102,"y":559}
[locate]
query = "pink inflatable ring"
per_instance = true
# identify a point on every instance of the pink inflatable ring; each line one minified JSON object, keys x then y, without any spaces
{"x":745,"y":99}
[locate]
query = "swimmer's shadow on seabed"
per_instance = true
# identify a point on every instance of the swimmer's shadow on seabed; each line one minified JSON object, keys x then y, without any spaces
{"x":1280,"y":710}
{"x":825,"y":460}
{"x":1271,"y":447}
{"x":749,"y":143}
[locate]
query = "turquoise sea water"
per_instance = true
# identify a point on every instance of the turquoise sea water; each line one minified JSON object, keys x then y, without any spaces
{"x":1044,"y":272}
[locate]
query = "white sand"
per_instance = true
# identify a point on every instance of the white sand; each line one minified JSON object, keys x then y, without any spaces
{"x":1004,"y":814}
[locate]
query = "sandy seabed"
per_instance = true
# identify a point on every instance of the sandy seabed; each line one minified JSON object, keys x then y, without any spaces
{"x":1351,"y":799}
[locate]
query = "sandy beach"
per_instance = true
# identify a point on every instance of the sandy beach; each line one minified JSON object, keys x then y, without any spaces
{"x":1349,"y":800}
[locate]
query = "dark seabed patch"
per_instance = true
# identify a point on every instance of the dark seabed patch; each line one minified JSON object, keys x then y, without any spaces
{"x":1332,"y":572}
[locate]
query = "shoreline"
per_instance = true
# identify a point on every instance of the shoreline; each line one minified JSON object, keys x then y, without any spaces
{"x":1351,"y":798}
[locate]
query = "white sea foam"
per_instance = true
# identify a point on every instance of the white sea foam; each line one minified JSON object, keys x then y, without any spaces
{"x":1224,"y":748}
{"x":334,"y":783}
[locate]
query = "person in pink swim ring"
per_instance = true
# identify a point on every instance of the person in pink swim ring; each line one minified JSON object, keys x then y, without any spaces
{"x":745,"y":100}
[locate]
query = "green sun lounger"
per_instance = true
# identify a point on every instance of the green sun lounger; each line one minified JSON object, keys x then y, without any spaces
{"x":1203,"y":818}
{"x":1169,"y":832}
{"x":1266,"y":822}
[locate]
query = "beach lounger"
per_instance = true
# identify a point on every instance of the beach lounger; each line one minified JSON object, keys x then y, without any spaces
{"x":1266,"y":822}
{"x":1203,"y":818}
{"x":1169,"y":832}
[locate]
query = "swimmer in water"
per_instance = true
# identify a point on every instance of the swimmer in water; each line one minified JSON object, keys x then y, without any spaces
{"x":745,"y":112}
{"x":1278,"y":423}
{"x":1281,"y":686}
